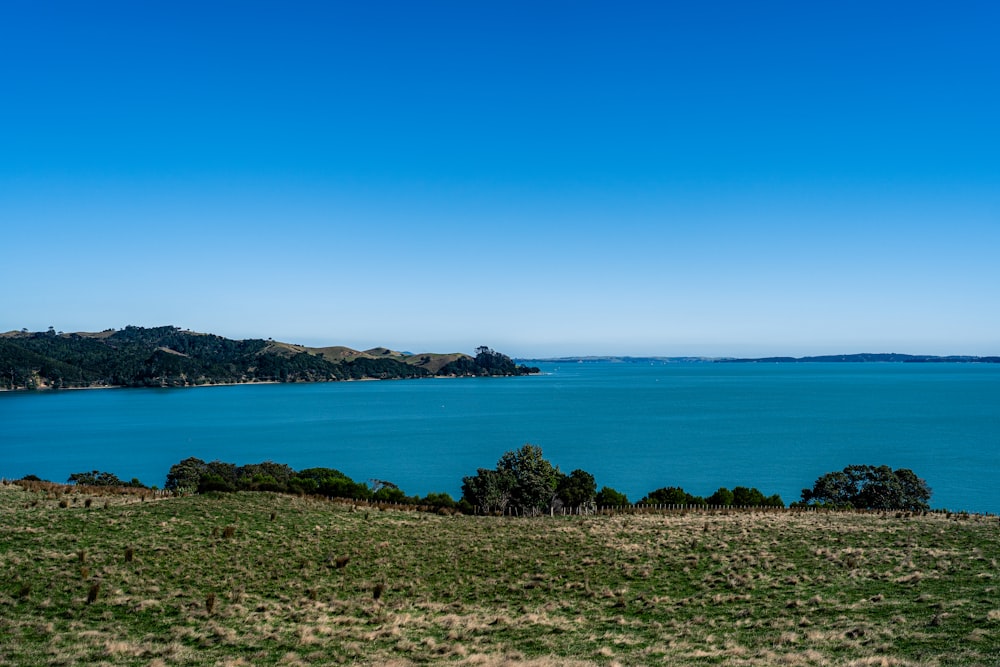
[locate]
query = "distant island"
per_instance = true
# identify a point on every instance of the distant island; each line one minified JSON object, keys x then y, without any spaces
{"x":168,"y":356}
{"x":866,"y":357}
{"x":614,"y":360}
{"x":831,"y":358}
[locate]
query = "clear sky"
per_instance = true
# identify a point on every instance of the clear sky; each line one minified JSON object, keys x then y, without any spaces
{"x":558,"y":178}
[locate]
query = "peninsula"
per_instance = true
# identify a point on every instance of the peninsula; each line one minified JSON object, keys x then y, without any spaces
{"x":168,"y":356}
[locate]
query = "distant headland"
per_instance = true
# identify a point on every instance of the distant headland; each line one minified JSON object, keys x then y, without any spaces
{"x":873,"y":358}
{"x":168,"y":356}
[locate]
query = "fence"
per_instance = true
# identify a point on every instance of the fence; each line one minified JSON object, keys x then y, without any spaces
{"x":593,"y":510}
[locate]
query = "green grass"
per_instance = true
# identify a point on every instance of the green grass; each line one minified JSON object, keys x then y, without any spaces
{"x":692,"y":588}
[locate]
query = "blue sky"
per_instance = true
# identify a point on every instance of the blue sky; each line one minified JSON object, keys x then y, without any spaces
{"x":573,"y":178}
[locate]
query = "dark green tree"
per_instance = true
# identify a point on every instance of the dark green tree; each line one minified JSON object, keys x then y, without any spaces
{"x":328,"y":482}
{"x":870,"y":487}
{"x":439,"y":500}
{"x":387,"y":492}
{"x":721,"y":497}
{"x":774,"y":501}
{"x":523,"y":480}
{"x":577,"y":489}
{"x":671,"y":495}
{"x":184,"y":477}
{"x":608,"y":497}
{"x":219,"y":476}
{"x":95,"y":478}
{"x":488,"y":490}
{"x":747,"y":497}
{"x":535,"y":479}
{"x":266,"y":476}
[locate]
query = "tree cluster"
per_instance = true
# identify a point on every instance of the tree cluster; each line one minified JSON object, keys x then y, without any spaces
{"x":869,"y":487}
{"x":486,"y":363}
{"x":525,"y":482}
{"x":740,"y":496}
{"x":193,"y":475}
{"x":101,"y":478}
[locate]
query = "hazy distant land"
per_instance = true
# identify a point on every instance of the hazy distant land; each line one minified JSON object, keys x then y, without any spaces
{"x":830,"y":358}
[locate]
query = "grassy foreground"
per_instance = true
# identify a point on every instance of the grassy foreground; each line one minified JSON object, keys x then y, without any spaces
{"x":262,"y":579}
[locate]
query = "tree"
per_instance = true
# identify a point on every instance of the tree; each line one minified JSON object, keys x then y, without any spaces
{"x":386,"y":492}
{"x":488,"y":490}
{"x":668,"y":495}
{"x":913,"y":489}
{"x":184,"y":477}
{"x":577,"y":489}
{"x":744,"y":497}
{"x":535,"y":479}
{"x":722,"y":497}
{"x":95,"y":478}
{"x":219,"y":476}
{"x":773,"y":501}
{"x":671,"y":495}
{"x":523,"y":479}
{"x":390,"y":494}
{"x":265,"y":476}
{"x":835,"y":488}
{"x":870,"y":487}
{"x":439,"y":500}
{"x":329,"y":482}
{"x":608,"y":497}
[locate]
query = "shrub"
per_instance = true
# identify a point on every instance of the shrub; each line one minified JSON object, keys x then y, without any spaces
{"x":721,"y":497}
{"x":608,"y":497}
{"x":671,"y":495}
{"x":439,"y":500}
{"x":95,"y":478}
{"x":577,"y":489}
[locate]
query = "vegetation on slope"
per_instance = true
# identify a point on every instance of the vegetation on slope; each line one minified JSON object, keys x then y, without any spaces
{"x":486,"y":362}
{"x":265,"y":579}
{"x":170,"y":357}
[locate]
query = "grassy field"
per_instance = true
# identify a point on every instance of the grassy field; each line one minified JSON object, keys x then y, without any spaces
{"x":262,"y":579}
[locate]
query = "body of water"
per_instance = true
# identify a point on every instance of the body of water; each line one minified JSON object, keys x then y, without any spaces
{"x":635,"y":427}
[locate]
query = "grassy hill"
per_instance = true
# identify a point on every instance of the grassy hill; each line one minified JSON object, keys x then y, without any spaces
{"x":263,"y":579}
{"x":432,"y":362}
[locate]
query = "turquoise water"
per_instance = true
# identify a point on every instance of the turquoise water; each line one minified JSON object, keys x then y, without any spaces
{"x":634,"y":427}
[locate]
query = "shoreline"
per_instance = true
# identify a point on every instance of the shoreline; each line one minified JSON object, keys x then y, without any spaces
{"x":47,"y":388}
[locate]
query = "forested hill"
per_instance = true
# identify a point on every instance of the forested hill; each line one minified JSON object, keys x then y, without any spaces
{"x":171,"y":357}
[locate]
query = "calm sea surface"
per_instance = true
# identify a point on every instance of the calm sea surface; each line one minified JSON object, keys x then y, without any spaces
{"x":634,"y":427}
